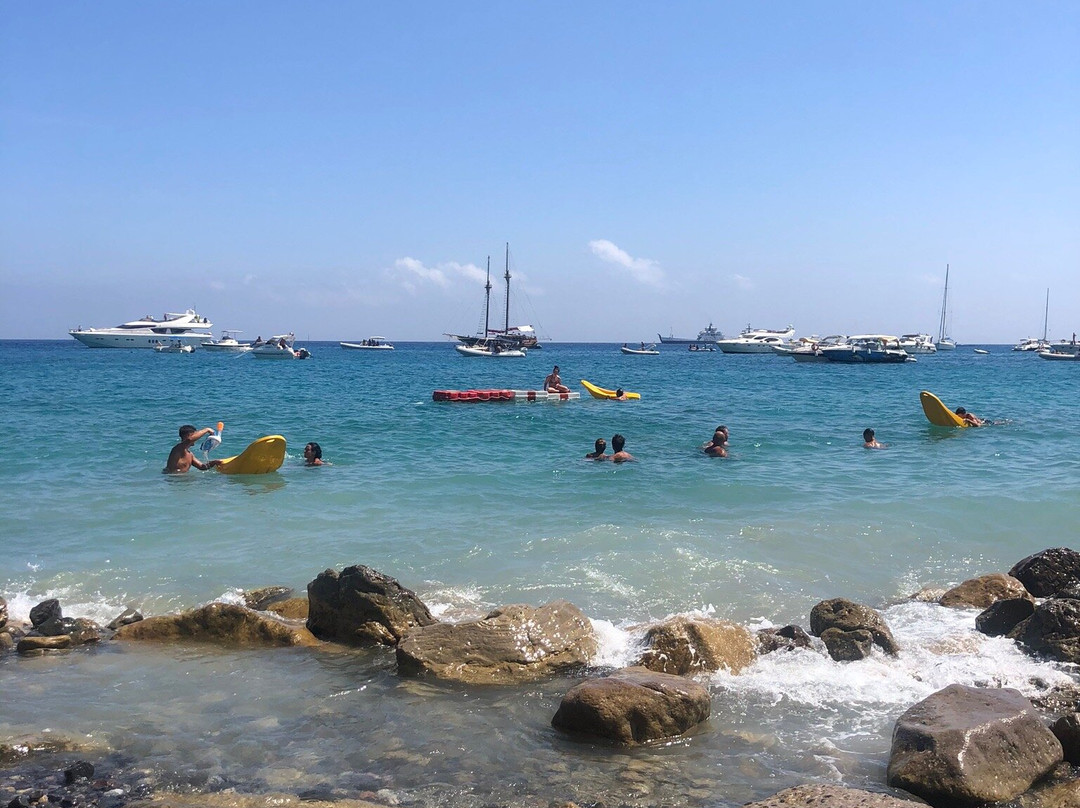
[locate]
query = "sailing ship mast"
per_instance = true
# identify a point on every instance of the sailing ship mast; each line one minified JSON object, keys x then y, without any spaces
{"x":506,"y":325}
{"x":944,"y":305}
{"x":1046,"y":314}
{"x":487,"y":299}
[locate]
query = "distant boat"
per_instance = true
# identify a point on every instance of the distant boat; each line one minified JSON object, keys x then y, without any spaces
{"x":710,"y":334}
{"x":173,"y":346}
{"x":279,"y":347}
{"x":1032,"y":344}
{"x":945,"y":342}
{"x":920,"y":344}
{"x":981,"y":351}
{"x":369,"y":344}
{"x":644,"y":350}
{"x":227,"y":344}
{"x":757,"y":340}
{"x":189,"y":328}
{"x":509,"y":337}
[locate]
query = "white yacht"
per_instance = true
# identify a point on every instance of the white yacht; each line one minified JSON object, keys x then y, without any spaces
{"x":279,"y":346}
{"x":188,"y":328}
{"x":919,"y":344}
{"x":227,"y":344}
{"x":756,"y":340}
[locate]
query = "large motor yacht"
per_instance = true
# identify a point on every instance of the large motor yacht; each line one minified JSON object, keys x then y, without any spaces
{"x":188,"y":328}
{"x":757,"y":340}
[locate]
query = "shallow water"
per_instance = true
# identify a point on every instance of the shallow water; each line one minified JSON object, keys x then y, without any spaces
{"x":476,"y":505}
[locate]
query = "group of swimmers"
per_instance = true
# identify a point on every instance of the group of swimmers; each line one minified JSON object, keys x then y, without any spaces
{"x":617,"y":443}
{"x":181,"y":458}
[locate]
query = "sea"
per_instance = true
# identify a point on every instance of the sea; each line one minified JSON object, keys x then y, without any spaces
{"x":477,"y":505}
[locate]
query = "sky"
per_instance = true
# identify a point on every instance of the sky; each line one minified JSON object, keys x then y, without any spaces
{"x":344,"y":169}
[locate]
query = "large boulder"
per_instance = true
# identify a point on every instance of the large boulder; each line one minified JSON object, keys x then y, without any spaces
{"x":48,"y":618}
{"x":1067,"y":730}
{"x":1053,"y":630}
{"x":511,"y":644}
{"x":1002,"y":617}
{"x":966,"y":745}
{"x":830,"y":796}
{"x":848,"y":646}
{"x":689,"y":645}
{"x":846,"y":616}
{"x":1047,"y":573}
{"x":361,"y":606}
{"x":633,"y":705}
{"x":221,"y":623}
{"x":984,"y":591}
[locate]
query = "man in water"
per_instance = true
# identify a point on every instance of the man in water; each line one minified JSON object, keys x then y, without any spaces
{"x":620,"y":395}
{"x":869,"y":441}
{"x":717,"y":447}
{"x":621,"y":455}
{"x":553,"y":384}
{"x":969,"y":417}
{"x":181,"y":459}
{"x":601,"y":447}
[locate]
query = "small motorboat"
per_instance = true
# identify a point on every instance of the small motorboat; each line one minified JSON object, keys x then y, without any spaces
{"x":279,"y":347}
{"x":227,"y":344}
{"x":981,"y":351}
{"x":369,"y":344}
{"x":873,"y":349}
{"x":174,"y":346}
{"x":1059,"y":355}
{"x":491,"y":348}
{"x":644,"y":350}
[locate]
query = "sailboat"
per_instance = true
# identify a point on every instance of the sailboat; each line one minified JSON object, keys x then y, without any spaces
{"x":944,"y":341}
{"x":500,"y":345}
{"x":1032,"y":344}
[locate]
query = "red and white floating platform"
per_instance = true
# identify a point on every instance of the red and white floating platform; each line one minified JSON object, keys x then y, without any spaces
{"x":502,"y":395}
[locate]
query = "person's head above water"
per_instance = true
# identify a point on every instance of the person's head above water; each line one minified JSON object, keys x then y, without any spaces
{"x":961,"y":411}
{"x":619,"y":393}
{"x":186,"y":431}
{"x":600,"y":445}
{"x":313,"y":451}
{"x":617,"y":442}
{"x":868,"y":435}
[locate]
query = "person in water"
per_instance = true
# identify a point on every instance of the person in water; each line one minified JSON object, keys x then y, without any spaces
{"x":717,"y":447}
{"x":621,"y":455}
{"x":869,"y":441}
{"x":601,"y":447}
{"x":553,"y":384}
{"x":181,"y":459}
{"x":620,"y":395}
{"x":969,"y":417}
{"x":313,"y":455}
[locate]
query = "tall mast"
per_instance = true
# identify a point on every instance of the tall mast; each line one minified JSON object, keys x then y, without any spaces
{"x":487,"y":298}
{"x":1046,"y":313}
{"x":944,"y":306}
{"x":506,"y":327}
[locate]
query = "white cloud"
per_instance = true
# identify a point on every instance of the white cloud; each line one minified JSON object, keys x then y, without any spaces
{"x":217,"y":286}
{"x":643,"y":270}
{"x":742,"y":282}
{"x":412,"y":273}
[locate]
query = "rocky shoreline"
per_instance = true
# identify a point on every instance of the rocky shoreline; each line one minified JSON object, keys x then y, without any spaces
{"x":962,"y":746}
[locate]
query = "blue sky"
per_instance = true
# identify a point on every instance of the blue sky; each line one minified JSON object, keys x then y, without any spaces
{"x":343,"y":169}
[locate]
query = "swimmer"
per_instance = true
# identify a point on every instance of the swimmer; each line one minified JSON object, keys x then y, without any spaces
{"x":969,"y":417}
{"x":869,"y":441}
{"x":621,"y":455}
{"x":181,"y":459}
{"x":601,"y":447}
{"x":313,"y":455}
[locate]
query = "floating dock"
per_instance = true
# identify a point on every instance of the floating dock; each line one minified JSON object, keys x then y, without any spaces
{"x":502,"y":395}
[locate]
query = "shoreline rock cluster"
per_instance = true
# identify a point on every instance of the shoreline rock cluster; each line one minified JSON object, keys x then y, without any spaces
{"x":961,"y":746}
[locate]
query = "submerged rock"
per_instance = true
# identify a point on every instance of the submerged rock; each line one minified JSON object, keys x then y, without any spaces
{"x":785,"y":638}
{"x":364,"y":607}
{"x":1048,"y":572}
{"x":511,"y":644}
{"x":126,"y":617}
{"x":967,"y":745}
{"x":222,"y":623}
{"x":828,"y":796}
{"x":847,"y":616}
{"x":685,"y":645}
{"x":632,"y":706}
{"x":291,"y":609}
{"x":37,"y":644}
{"x":260,"y":599}
{"x":984,"y":591}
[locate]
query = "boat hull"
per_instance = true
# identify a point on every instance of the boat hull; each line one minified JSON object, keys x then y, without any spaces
{"x":107,"y":338}
{"x":475,"y":350}
{"x":639,"y":351}
{"x":355,"y":346}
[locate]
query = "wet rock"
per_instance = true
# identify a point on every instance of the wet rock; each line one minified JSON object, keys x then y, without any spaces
{"x":685,"y":645}
{"x":1052,"y":630}
{"x":83,"y":631}
{"x":511,"y":644}
{"x":785,"y":638}
{"x":362,"y":606}
{"x":221,"y":623}
{"x":828,"y":796}
{"x":967,"y":745}
{"x":260,"y":599}
{"x":1067,"y":730}
{"x":7,"y":642}
{"x":984,"y":591}
{"x":291,"y":609}
{"x":35,"y":644}
{"x":81,"y":770}
{"x":3,"y":613}
{"x":47,"y":618}
{"x":1058,"y":700}
{"x":848,"y":646}
{"x":125,"y":618}
{"x":1047,"y":573}
{"x":845,"y":615}
{"x":928,"y":594}
{"x":1005,"y":615}
{"x":633,"y":705}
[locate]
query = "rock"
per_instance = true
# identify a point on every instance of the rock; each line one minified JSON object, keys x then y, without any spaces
{"x":1005,"y":615}
{"x":47,"y":618}
{"x":1047,"y":573}
{"x":33,"y":643}
{"x":633,"y":705}
{"x":684,"y":645}
{"x":848,"y":646}
{"x":363,"y":606}
{"x":786,"y":638}
{"x":1067,"y":730}
{"x":291,"y":609}
{"x":828,"y":796}
{"x":967,"y":745}
{"x":126,"y":617}
{"x":511,"y":644}
{"x":7,"y":642}
{"x":80,"y":770}
{"x":848,"y":616}
{"x":222,"y":623}
{"x":3,"y":613}
{"x":1052,"y":630}
{"x":83,"y":631}
{"x":260,"y":599}
{"x":984,"y":591}
{"x":928,"y":594}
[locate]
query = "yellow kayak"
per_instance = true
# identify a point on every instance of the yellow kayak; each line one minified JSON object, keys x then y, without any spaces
{"x":937,"y":413}
{"x":600,"y":392}
{"x":261,"y":457}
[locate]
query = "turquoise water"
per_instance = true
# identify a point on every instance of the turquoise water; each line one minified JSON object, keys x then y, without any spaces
{"x":476,"y":505}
